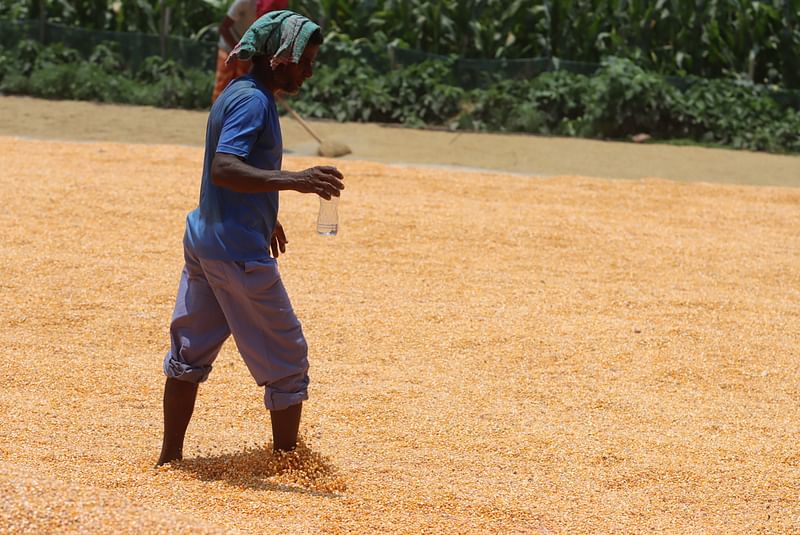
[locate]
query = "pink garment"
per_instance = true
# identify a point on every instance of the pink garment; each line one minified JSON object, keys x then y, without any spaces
{"x":265,"y":6}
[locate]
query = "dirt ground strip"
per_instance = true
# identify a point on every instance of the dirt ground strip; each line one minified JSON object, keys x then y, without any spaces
{"x":523,"y":154}
{"x":490,"y":353}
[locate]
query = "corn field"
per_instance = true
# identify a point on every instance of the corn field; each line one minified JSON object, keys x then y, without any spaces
{"x":755,"y":40}
{"x":759,"y":40}
{"x":196,"y":19}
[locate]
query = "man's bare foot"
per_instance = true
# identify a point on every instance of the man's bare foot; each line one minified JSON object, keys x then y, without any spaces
{"x":168,"y":457}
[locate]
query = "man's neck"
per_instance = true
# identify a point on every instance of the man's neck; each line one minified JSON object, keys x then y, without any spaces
{"x":264,"y":78}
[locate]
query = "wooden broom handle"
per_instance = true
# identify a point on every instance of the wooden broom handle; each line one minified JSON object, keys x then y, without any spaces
{"x":299,"y":119}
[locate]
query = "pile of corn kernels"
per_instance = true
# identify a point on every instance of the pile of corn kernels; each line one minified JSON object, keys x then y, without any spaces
{"x":488,"y":353}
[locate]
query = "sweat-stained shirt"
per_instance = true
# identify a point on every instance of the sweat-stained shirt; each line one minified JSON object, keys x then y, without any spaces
{"x":228,"y":225}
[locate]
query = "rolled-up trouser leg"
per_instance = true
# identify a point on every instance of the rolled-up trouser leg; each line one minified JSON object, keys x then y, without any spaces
{"x":264,"y":326}
{"x":198,"y":328}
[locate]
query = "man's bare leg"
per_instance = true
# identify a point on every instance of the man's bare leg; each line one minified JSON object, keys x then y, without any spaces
{"x":179,"y":398}
{"x":285,"y":426}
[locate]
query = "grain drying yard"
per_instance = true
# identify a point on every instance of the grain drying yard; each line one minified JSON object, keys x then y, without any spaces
{"x":490,"y":353}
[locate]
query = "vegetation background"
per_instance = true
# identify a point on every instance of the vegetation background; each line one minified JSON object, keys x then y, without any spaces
{"x":711,"y":71}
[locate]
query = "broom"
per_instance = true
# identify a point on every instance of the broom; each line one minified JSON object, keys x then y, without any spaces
{"x":329,"y":148}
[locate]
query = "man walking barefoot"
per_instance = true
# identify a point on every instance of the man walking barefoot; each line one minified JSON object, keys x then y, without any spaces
{"x":230,"y":283}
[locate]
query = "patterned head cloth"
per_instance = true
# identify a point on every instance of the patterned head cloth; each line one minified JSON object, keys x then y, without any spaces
{"x":281,"y":35}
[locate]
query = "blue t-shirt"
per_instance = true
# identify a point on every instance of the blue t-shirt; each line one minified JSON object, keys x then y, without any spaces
{"x":228,"y":225}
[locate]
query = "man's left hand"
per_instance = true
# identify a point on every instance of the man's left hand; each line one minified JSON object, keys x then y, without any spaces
{"x":278,"y":241}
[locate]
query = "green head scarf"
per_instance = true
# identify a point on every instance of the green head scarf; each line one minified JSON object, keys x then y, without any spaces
{"x":282,"y":35}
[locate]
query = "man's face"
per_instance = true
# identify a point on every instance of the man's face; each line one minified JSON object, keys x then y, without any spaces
{"x":290,"y":76}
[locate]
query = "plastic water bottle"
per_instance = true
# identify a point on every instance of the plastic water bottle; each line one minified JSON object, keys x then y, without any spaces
{"x":328,"y":219}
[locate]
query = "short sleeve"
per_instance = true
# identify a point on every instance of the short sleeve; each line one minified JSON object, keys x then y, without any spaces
{"x":242,"y":125}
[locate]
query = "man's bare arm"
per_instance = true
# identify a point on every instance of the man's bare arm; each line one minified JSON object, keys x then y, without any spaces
{"x":229,"y":171}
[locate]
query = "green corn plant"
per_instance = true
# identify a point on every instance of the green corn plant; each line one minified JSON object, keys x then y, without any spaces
{"x":757,"y":40}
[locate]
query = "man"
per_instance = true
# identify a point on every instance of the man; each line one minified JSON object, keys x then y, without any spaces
{"x":230,"y":284}
{"x":240,"y":16}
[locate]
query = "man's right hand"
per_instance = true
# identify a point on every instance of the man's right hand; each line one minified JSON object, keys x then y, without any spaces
{"x":324,"y":180}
